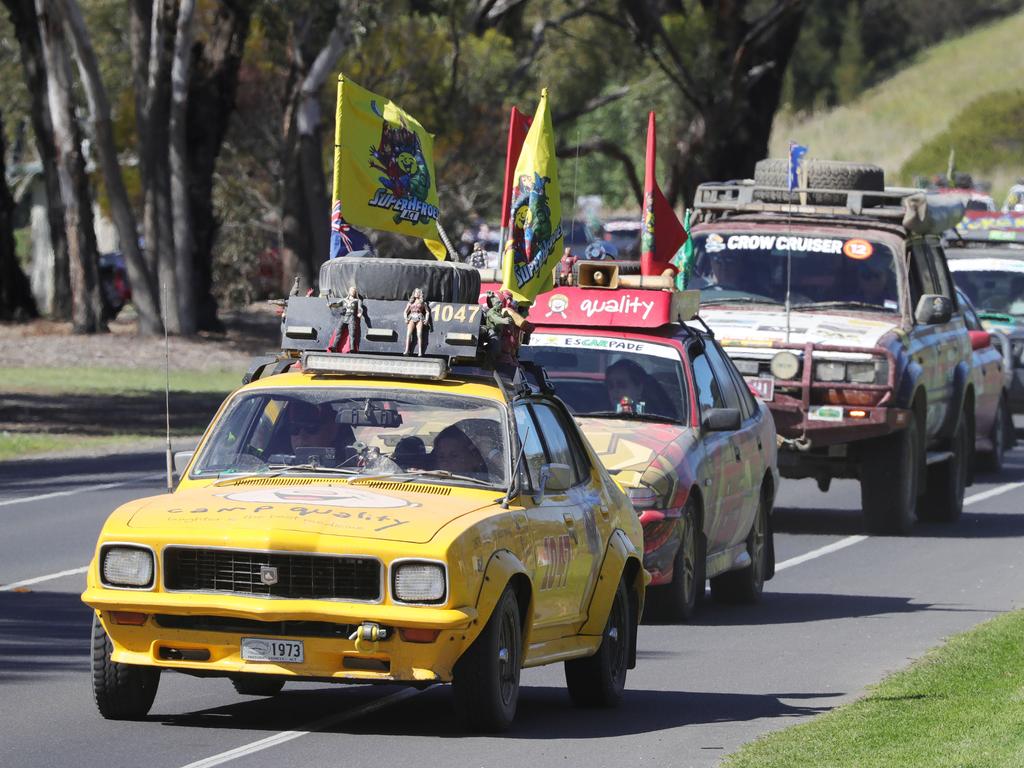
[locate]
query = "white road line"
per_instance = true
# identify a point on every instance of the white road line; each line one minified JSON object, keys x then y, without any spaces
{"x":47,"y":577}
{"x":83,"y":489}
{"x":835,"y":546}
{"x":849,"y":541}
{"x":308,"y":728}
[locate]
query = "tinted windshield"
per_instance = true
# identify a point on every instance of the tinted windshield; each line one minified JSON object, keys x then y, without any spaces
{"x":604,"y":375}
{"x":752,"y":268}
{"x":993,"y":290}
{"x":359,"y":431}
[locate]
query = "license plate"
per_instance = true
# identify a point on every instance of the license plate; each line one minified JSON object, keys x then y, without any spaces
{"x":762,"y":386}
{"x":268,"y":649}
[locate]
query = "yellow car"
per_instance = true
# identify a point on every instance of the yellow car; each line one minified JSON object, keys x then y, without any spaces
{"x":371,"y":518}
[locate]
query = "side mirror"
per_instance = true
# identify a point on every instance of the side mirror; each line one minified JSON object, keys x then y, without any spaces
{"x":555,"y":477}
{"x":933,"y":309}
{"x":721,"y":419}
{"x":980,"y":339}
{"x":181,"y":460}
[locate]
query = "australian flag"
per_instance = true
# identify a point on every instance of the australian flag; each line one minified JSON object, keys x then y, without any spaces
{"x":344,"y":238}
{"x":796,"y":160}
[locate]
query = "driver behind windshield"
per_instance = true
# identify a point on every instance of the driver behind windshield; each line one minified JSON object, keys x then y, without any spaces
{"x":632,"y":390}
{"x":314,"y":431}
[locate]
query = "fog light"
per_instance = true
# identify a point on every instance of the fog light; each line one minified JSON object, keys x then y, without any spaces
{"x":128,"y":618}
{"x":415,"y":635}
{"x":785,"y":365}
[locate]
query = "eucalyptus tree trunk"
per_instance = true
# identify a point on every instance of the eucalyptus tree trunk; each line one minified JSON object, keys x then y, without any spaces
{"x":180,"y":210}
{"x":16,"y":302}
{"x":57,"y":300}
{"x":86,"y":308}
{"x":144,"y":295}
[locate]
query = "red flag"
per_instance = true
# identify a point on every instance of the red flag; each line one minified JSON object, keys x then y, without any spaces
{"x":518,"y":125}
{"x":662,"y":233}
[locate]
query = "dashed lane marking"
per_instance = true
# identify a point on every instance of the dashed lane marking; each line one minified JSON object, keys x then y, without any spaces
{"x":849,"y":541}
{"x":305,"y":730}
{"x":47,"y":577}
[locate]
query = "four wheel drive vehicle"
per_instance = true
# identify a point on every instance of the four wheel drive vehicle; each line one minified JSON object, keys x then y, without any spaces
{"x":840,"y":311}
{"x":673,"y":421}
{"x":375,"y":518}
{"x":986,"y":257}
{"x":993,"y":422}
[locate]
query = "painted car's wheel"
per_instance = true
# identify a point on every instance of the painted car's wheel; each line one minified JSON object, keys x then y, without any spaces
{"x":486,"y":677}
{"x":943,"y":499}
{"x":599,"y":680}
{"x":678,"y":600}
{"x":888,"y":483}
{"x":746,"y":584}
{"x":992,"y":461}
{"x":257,"y":685}
{"x":122,"y":691}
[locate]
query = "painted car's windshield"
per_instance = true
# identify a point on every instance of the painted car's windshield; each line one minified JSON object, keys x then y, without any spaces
{"x":598,"y":375}
{"x":993,"y":290}
{"x":436,"y":437}
{"x":822,"y":270}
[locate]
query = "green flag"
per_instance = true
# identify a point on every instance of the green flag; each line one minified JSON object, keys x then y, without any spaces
{"x":683,"y":260}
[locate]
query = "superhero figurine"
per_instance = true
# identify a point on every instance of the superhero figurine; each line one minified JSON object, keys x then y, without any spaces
{"x":417,"y":320}
{"x":350,"y":315}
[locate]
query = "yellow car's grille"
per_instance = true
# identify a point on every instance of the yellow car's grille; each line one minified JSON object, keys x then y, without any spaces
{"x":272,"y":574}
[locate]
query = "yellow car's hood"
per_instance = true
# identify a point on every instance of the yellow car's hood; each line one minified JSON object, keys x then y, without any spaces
{"x":392,"y":511}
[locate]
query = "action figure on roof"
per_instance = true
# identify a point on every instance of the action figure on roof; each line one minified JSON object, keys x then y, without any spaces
{"x":478,"y":258}
{"x":350,"y":315}
{"x":417,"y":321}
{"x":504,"y":327}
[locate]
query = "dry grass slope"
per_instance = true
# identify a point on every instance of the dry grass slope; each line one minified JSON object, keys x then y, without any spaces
{"x":888,"y":123}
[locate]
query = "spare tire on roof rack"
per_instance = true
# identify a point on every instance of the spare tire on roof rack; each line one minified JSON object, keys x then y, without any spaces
{"x":395,"y":279}
{"x":821,"y":174}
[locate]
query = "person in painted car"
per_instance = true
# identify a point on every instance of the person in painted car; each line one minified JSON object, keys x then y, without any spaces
{"x":632,"y":390}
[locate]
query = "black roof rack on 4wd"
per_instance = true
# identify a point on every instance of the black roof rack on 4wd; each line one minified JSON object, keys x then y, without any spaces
{"x":915,"y":210}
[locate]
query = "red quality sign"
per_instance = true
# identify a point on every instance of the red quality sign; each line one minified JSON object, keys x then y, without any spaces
{"x":575,"y":306}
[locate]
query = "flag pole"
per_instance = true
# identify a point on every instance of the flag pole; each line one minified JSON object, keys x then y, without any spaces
{"x":447,"y":243}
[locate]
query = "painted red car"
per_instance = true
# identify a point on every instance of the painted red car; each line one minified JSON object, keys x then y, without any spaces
{"x":673,"y":421}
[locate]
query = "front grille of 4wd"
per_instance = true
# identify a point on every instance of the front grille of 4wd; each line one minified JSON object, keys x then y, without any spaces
{"x":295,"y":576}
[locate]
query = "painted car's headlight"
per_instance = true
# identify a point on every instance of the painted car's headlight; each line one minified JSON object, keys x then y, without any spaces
{"x":830,"y":370}
{"x":127,"y":566}
{"x":418,"y":582}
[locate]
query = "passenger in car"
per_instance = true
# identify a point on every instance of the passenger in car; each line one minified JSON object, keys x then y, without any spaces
{"x":455,"y":452}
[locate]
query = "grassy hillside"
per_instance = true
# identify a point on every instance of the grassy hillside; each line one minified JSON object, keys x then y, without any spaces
{"x":891,"y":121}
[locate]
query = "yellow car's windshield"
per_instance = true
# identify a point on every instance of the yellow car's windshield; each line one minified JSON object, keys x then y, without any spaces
{"x":433,"y":436}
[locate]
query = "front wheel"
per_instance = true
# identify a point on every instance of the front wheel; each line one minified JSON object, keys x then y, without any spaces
{"x":992,"y":461}
{"x":678,"y":600}
{"x":486,"y":678}
{"x":122,"y":691}
{"x":746,"y":584}
{"x":944,"y":494}
{"x":888,"y":482}
{"x":599,"y":680}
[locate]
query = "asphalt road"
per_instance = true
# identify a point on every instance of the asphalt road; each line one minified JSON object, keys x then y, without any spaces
{"x":843,"y":611}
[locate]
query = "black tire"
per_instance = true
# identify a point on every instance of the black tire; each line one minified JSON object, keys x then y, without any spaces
{"x":992,"y":461}
{"x":486,"y":678}
{"x":943,"y":499}
{"x":678,"y":600}
{"x":746,"y":584}
{"x":599,"y":680}
{"x":395,"y":279}
{"x":121,"y":691}
{"x":257,"y":685}
{"x":821,"y":174}
{"x":889,"y":482}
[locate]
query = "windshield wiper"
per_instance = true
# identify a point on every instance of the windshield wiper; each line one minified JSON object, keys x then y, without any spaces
{"x":840,"y":304}
{"x":630,"y":416}
{"x":440,"y":473}
{"x":738,"y":300}
{"x":276,"y":470}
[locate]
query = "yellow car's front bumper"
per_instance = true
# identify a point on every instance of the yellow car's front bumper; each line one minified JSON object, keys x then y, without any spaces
{"x":337,"y":657}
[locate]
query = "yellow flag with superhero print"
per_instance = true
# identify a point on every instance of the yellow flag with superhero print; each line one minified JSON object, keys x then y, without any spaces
{"x":534,"y":246}
{"x":383,"y":168}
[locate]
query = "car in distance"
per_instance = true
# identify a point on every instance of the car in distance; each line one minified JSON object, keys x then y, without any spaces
{"x":372,"y":517}
{"x":836,"y":302}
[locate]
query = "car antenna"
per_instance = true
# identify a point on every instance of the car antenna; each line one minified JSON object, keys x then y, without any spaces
{"x":167,"y":388}
{"x":515,"y":471}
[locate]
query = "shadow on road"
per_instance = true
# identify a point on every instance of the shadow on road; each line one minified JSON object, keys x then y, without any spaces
{"x":544,"y":712}
{"x":49,"y":475}
{"x":42,"y":632}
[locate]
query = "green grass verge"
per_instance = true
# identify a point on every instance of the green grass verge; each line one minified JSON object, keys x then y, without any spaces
{"x":16,"y":445}
{"x":114,"y":380}
{"x":888,"y":123}
{"x":961,"y":705}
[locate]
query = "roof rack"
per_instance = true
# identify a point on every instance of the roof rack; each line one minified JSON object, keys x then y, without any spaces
{"x":742,"y":197}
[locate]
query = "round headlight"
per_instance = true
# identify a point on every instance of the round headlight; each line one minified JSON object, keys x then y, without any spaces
{"x":418,"y":582}
{"x":785,"y":365}
{"x":127,"y":567}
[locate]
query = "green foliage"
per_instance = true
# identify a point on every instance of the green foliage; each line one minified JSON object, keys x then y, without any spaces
{"x":852,"y":69}
{"x":119,"y":380}
{"x":959,"y":706}
{"x":986,"y":134}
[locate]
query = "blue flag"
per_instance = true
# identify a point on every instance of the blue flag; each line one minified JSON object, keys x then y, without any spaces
{"x":796,"y":160}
